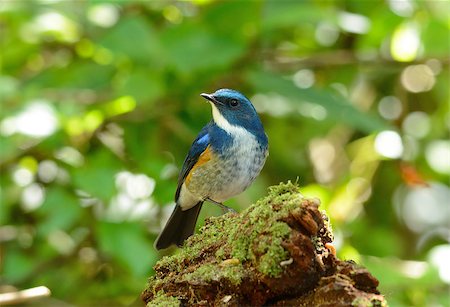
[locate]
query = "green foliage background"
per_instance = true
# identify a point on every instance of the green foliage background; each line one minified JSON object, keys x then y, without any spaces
{"x":86,"y":179}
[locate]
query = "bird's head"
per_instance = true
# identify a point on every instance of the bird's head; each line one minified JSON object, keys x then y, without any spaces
{"x":232,"y":109}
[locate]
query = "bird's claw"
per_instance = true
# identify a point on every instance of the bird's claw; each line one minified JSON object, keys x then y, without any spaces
{"x":228,"y":209}
{"x":224,"y":208}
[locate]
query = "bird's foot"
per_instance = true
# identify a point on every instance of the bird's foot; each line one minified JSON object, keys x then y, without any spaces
{"x":224,"y":208}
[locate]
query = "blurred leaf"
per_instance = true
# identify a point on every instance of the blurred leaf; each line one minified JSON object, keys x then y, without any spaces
{"x":60,"y":211}
{"x":135,"y":38}
{"x":246,"y":16}
{"x":78,"y":75}
{"x":192,"y":47}
{"x":16,"y":54}
{"x":338,"y":107}
{"x":398,"y":283}
{"x":382,"y":242}
{"x":16,"y":265}
{"x":128,"y":244}
{"x":8,"y":148}
{"x":144,"y":85}
{"x":383,"y":23}
{"x":432,"y":38}
{"x":9,"y":86}
{"x":291,"y":13}
{"x":139,"y":153}
{"x":97,"y":176}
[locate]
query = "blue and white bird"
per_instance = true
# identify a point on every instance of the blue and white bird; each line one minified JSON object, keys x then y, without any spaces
{"x":224,"y":159}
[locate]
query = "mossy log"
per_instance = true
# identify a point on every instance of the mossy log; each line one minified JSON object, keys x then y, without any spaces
{"x":276,"y":252}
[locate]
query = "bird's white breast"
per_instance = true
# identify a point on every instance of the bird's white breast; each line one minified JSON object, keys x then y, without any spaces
{"x":242,"y":161}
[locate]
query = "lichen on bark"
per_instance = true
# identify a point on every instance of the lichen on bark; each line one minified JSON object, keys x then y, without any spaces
{"x":274,"y":252}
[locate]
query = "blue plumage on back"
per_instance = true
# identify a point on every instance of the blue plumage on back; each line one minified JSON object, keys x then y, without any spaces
{"x":197,"y":148}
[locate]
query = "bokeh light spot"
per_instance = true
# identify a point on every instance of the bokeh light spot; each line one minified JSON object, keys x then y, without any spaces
{"x":201,"y":2}
{"x":417,"y":124}
{"x":403,"y":8}
{"x":438,"y":156}
{"x":47,"y":171}
{"x":172,"y":14}
{"x":405,"y":43}
{"x":22,"y":176}
{"x":439,"y":256}
{"x":424,"y":208}
{"x":56,"y":26}
{"x":312,"y":110}
{"x":87,"y":254}
{"x":140,"y":186}
{"x":133,"y":201}
{"x":92,"y":120}
{"x":85,"y":48}
{"x":38,"y":120}
{"x":390,"y":107}
{"x":121,"y":105}
{"x":74,"y":126}
{"x":62,"y":242}
{"x":29,"y":163}
{"x":103,"y":56}
{"x":353,"y":23}
{"x":413,"y":269}
{"x":273,"y":104}
{"x":103,"y":15}
{"x":418,"y":78}
{"x":32,"y":197}
{"x":435,"y":66}
{"x":389,"y":144}
{"x":70,"y":156}
{"x":326,"y":33}
{"x":304,"y":78}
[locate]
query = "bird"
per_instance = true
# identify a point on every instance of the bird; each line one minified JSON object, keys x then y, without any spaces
{"x":223,"y":160}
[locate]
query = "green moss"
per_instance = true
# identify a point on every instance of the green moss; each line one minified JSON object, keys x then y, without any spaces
{"x":254,"y":235}
{"x":261,"y":224}
{"x":214,"y":272}
{"x":272,"y":251}
{"x":154,"y":283}
{"x":361,"y":302}
{"x":220,"y":254}
{"x":368,"y":302}
{"x":212,"y":233}
{"x":163,"y":300}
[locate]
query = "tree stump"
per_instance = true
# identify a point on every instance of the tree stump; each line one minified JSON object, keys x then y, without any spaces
{"x":276,"y":252}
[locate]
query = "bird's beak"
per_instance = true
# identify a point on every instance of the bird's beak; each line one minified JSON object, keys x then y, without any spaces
{"x":211,"y":98}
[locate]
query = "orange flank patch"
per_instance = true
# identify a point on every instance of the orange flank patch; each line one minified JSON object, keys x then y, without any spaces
{"x":204,"y":157}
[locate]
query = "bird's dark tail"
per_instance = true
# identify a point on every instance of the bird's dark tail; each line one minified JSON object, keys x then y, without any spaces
{"x":179,"y":227}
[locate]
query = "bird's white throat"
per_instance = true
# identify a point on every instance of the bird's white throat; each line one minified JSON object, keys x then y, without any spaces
{"x":223,"y":123}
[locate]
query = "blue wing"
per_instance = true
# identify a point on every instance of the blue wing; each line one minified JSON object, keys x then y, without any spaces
{"x":197,"y":148}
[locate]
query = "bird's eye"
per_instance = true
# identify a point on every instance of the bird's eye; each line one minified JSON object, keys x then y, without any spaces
{"x":234,"y":102}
